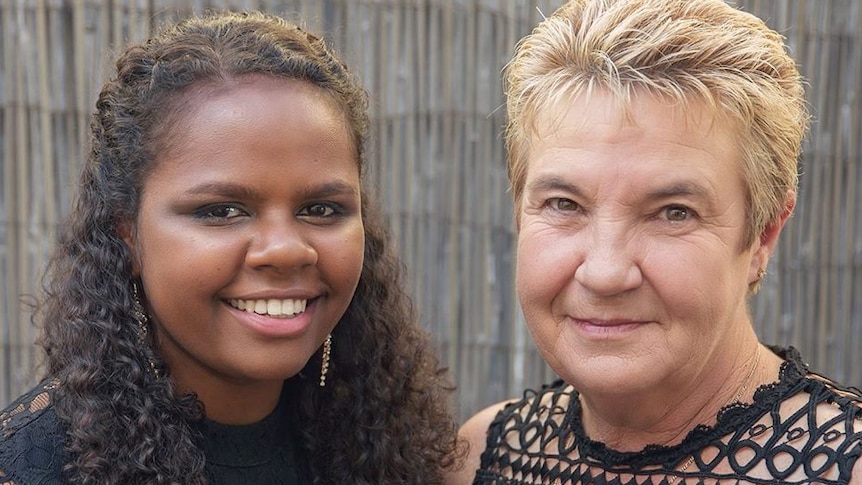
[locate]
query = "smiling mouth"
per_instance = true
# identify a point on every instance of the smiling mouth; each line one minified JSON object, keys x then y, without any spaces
{"x":273,"y":307}
{"x":608,"y":327}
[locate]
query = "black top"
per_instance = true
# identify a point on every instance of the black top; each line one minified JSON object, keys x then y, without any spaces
{"x":803,"y":429}
{"x":257,"y":453}
{"x":32,"y":436}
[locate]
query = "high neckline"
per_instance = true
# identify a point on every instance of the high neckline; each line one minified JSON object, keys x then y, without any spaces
{"x":247,"y":445}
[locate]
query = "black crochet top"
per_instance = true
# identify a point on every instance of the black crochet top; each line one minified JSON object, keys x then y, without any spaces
{"x":803,"y":429}
{"x":32,"y":436}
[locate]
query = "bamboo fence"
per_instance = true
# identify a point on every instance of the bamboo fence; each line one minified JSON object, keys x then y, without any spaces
{"x":433,"y":70}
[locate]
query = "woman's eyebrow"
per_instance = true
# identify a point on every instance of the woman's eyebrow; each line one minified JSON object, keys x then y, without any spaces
{"x":223,"y":189}
{"x":329,"y":189}
{"x":679,"y":188}
{"x":240,"y":191}
{"x":553,"y":182}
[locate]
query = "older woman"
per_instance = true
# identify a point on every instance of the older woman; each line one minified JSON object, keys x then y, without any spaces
{"x":653,"y":150}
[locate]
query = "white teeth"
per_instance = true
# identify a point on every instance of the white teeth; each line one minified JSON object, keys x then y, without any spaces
{"x":272,"y":307}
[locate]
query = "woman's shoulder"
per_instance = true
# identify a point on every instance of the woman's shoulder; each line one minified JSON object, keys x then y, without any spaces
{"x":474,"y":434}
{"x":548,"y":401}
{"x":31,"y":438}
{"x":796,"y":375}
{"x":484,"y":428}
{"x":829,"y":406}
{"x":818,"y":417}
{"x":535,"y":406}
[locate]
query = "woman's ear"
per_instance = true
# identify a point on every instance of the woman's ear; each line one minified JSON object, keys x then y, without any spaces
{"x":768,"y":239}
{"x":126,"y":231}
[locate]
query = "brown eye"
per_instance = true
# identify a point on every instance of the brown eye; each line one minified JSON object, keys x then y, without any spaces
{"x":322,"y":210}
{"x":219,"y":212}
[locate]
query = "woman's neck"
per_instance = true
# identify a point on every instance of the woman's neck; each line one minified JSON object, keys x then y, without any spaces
{"x":666,"y":414}
{"x":233,"y":403}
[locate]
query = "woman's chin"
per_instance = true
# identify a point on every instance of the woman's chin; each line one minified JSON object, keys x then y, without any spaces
{"x":611,"y":376}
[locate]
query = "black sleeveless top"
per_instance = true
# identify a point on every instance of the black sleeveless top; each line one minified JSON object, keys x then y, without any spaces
{"x":803,"y":429}
{"x":32,"y":438}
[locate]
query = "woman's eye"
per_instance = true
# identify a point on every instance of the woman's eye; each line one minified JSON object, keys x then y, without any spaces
{"x":561,"y":204}
{"x":676,"y":213}
{"x":321,"y":210}
{"x":219,"y":212}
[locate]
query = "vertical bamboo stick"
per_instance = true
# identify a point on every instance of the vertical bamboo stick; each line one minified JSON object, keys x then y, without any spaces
{"x":825,"y":285}
{"x":20,"y":267}
{"x":46,"y":216}
{"x":7,"y":15}
{"x":448,"y":127}
{"x":856,"y":207}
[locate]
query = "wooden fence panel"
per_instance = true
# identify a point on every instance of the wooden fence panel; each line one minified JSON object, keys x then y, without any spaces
{"x":432,"y":68}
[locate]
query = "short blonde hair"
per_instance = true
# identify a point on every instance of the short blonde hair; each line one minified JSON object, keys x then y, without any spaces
{"x":682,"y":50}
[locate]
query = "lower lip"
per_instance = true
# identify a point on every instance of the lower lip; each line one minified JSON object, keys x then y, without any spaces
{"x":275,"y":327}
{"x":606,"y":331}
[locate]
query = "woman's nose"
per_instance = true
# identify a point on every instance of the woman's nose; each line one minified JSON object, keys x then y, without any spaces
{"x":608,"y":263}
{"x":281,"y":245}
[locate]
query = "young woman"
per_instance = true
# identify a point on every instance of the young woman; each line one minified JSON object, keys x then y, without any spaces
{"x":224,"y":305}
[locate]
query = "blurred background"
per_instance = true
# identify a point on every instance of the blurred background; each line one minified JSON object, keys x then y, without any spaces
{"x":432,"y":68}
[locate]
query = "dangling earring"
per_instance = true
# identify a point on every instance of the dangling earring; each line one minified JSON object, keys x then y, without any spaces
{"x":143,"y":321}
{"x":324,"y":365}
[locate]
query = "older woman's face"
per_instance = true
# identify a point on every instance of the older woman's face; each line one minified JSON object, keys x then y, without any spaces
{"x":631,"y":268}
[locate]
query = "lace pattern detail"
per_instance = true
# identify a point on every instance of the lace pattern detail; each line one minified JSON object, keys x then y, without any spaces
{"x":28,"y":406}
{"x":31,"y":441}
{"x":804,"y":429}
{"x":4,"y":480}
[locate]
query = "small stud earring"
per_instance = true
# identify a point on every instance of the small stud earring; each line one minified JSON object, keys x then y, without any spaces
{"x":761,"y":273}
{"x":324,"y":365}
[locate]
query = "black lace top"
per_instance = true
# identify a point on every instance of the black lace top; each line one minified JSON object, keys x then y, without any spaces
{"x":31,"y":446}
{"x":803,"y":429}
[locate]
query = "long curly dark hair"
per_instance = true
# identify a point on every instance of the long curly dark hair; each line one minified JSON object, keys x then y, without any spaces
{"x":125,"y":423}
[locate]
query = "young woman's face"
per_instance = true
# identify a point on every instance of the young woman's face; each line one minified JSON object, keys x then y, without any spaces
{"x":249,"y":238}
{"x":632,"y":271}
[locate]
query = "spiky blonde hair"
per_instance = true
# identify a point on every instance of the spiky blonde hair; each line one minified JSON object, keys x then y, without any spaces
{"x":684,"y":51}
